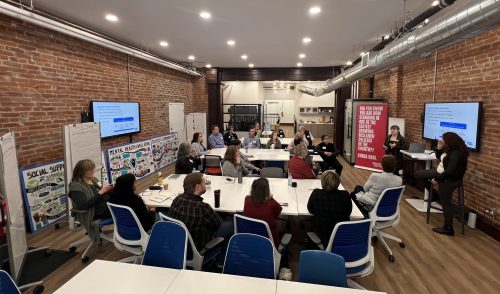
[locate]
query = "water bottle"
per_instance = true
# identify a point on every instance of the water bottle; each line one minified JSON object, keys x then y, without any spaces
{"x":159,"y":180}
{"x":290,"y":179}
{"x":240,"y":175}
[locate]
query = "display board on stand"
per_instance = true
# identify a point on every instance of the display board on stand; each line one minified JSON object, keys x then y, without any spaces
{"x":371,"y":132}
{"x":11,"y":189}
{"x":135,"y":158}
{"x":44,"y":194}
{"x":164,"y":150}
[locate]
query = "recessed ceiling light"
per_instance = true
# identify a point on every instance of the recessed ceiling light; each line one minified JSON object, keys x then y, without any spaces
{"x":302,"y":55}
{"x":251,"y":65}
{"x":348,"y":62}
{"x":163,"y":43}
{"x":314,"y":10}
{"x":306,"y":40}
{"x":362,"y":53}
{"x":191,"y":57}
{"x":208,"y":65}
{"x":244,"y":56}
{"x":231,"y":42}
{"x":299,"y":64}
{"x":111,"y":17}
{"x":435,"y":3}
{"x":386,"y":37}
{"x":205,"y":15}
{"x":426,"y":21}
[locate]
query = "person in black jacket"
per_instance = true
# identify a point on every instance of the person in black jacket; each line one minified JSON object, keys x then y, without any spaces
{"x":186,"y":161}
{"x":329,"y":153}
{"x":328,"y":206}
{"x":394,"y":143}
{"x":124,"y":194}
{"x":455,"y":165}
{"x":280,"y":132}
{"x":230,"y":136}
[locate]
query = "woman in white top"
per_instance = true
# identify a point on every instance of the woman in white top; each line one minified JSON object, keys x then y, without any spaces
{"x":197,"y":144}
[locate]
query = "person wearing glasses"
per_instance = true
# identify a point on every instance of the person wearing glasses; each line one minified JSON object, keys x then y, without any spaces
{"x":329,"y":153}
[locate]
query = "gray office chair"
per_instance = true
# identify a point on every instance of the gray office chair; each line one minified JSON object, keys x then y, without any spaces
{"x":272,"y":172}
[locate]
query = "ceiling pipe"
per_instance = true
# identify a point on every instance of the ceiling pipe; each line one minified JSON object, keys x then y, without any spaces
{"x":45,"y":22}
{"x":410,"y":25}
{"x":452,"y":27}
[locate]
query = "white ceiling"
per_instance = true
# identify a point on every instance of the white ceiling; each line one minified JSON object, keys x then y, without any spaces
{"x":270,"y":32}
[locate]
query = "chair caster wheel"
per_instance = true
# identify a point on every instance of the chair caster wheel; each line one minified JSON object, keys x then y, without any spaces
{"x":402,"y":245}
{"x":391,"y":258}
{"x":38,"y":289}
{"x":72,"y":249}
{"x":48,"y":252}
{"x":85,"y":259}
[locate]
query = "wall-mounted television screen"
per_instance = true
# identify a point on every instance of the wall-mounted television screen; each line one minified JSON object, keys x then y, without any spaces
{"x":463,"y":118}
{"x":116,"y":118}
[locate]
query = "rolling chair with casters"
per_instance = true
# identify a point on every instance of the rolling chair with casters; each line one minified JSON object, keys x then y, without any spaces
{"x":352,"y":241}
{"x":322,"y":268}
{"x":272,"y":172}
{"x":167,"y":246}
{"x":386,"y":214}
{"x":8,"y":286}
{"x":250,"y":255}
{"x":196,"y":259}
{"x":95,"y":225}
{"x":129,"y":235}
{"x":213,"y":165}
{"x":461,"y":205}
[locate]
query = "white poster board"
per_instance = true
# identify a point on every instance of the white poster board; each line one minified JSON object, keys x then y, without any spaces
{"x":10,"y":186}
{"x":81,"y":141}
{"x":176,"y":120}
{"x":164,"y":150}
{"x":196,"y":123}
{"x":134,"y":158}
{"x":44,"y":194}
{"x":400,"y":122}
{"x":284,"y":108}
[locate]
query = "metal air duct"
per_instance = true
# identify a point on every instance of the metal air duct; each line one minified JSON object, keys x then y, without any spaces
{"x":452,"y":27}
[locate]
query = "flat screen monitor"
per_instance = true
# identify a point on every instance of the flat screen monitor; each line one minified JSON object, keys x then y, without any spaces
{"x":116,"y":118}
{"x":463,"y":118}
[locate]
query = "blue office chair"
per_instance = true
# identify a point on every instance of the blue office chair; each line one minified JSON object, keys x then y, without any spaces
{"x":352,"y":241}
{"x":196,"y":259}
{"x":129,"y":235}
{"x":386,"y":214}
{"x":244,"y":224}
{"x":7,"y":285}
{"x":323,"y":268}
{"x":167,"y":246}
{"x":250,"y":255}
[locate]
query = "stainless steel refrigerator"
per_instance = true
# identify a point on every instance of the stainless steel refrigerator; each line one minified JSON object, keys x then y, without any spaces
{"x":350,"y":124}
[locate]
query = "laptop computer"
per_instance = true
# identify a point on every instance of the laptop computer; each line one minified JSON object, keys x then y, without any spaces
{"x":417,"y":148}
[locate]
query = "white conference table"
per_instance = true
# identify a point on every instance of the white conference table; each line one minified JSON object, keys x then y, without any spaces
{"x":114,"y":277}
{"x":421,"y":204}
{"x":263,"y":154}
{"x":232,"y":197}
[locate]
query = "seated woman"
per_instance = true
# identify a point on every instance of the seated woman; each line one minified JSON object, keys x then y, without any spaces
{"x":124,"y":194}
{"x":86,"y":194}
{"x":299,"y":138}
{"x":328,"y":206}
{"x":394,"y":143}
{"x":197,"y":144}
{"x":298,"y":167}
{"x":232,"y":161}
{"x":366,"y":197}
{"x":186,"y":162}
{"x":261,"y":205}
{"x":274,"y":141}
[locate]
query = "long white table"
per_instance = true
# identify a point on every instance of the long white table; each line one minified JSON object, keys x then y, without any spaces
{"x":232,"y":197}
{"x":421,"y":204}
{"x":104,"y":277}
{"x":263,"y":154}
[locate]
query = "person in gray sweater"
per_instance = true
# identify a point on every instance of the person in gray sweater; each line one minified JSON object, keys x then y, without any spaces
{"x":232,"y":161}
{"x":197,"y":144}
{"x":366,"y":197}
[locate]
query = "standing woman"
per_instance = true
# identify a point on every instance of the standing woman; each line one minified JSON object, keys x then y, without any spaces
{"x":394,"y":143}
{"x":86,"y":194}
{"x":455,"y":165}
{"x":274,"y":142}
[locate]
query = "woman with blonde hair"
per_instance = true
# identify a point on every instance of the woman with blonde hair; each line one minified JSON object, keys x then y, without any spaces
{"x":328,"y":206}
{"x":232,"y":161}
{"x":298,"y":167}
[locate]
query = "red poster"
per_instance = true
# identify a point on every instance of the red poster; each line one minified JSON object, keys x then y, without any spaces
{"x":370,"y":135}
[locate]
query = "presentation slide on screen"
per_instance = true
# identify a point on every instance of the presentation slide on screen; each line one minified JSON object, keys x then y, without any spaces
{"x":117,"y":118}
{"x":460,"y":118}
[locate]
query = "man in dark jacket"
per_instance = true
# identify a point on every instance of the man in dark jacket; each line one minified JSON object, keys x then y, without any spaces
{"x":329,"y":153}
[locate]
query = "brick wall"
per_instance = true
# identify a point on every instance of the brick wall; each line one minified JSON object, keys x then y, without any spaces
{"x":47,"y":79}
{"x":466,"y":71}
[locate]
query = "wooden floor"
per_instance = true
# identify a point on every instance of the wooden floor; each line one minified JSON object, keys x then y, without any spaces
{"x":430,"y":263}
